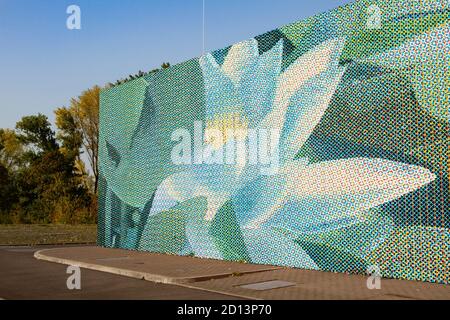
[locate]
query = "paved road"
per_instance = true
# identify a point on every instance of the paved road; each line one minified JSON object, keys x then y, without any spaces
{"x":24,"y":277}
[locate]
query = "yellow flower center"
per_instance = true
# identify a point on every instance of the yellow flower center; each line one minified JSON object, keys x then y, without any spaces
{"x":229,"y":125}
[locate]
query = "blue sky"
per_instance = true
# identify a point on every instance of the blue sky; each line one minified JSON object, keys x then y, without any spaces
{"x":43,"y":64}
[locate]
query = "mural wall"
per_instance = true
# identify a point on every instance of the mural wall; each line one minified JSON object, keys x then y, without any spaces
{"x":320,"y":145}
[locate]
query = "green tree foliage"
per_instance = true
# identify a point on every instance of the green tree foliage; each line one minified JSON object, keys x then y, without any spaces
{"x":39,"y":179}
{"x":36,"y":133}
{"x":165,"y":65}
{"x":51,"y":191}
{"x":8,"y":194}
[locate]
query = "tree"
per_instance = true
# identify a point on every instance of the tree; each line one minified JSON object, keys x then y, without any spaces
{"x":50,"y":191}
{"x":11,"y":150}
{"x":69,"y":134}
{"x":165,"y":65}
{"x":71,"y":138}
{"x":4,"y":188}
{"x":11,"y":153}
{"x":8,"y":193}
{"x":36,"y":133}
{"x":50,"y":187}
{"x":85,"y":113}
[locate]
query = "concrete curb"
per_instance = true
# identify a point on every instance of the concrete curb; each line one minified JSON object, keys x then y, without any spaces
{"x":123,"y":272}
{"x":182,"y":282}
{"x":40,"y":255}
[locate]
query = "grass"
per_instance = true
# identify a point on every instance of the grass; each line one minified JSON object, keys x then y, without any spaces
{"x":33,"y":234}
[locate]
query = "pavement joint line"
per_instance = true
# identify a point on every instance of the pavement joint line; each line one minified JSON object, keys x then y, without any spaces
{"x":39,"y":255}
{"x":226,"y":275}
{"x":238,"y":295}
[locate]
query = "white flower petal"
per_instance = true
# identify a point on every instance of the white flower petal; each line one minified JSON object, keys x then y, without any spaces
{"x":297,"y":74}
{"x":341,"y":189}
{"x":386,"y":180}
{"x":239,"y":57}
{"x":307,"y":109}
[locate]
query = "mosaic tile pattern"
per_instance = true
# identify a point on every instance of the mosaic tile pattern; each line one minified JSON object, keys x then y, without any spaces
{"x":360,"y":97}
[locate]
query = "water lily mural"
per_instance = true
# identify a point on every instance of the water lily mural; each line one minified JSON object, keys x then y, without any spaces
{"x":357,"y":143}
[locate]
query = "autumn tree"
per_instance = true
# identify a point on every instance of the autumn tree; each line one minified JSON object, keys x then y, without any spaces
{"x":69,"y":134}
{"x":78,"y":127}
{"x":11,"y":149}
